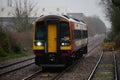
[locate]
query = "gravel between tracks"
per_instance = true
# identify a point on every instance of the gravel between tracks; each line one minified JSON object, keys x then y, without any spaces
{"x":82,"y":70}
{"x":20,"y":74}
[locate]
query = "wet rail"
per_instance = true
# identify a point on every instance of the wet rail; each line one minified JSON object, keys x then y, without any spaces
{"x":115,"y":68}
{"x":94,"y":69}
{"x":62,"y":73}
{"x":6,"y":69}
{"x":33,"y":75}
{"x":105,"y":68}
{"x":58,"y":75}
{"x":8,"y":65}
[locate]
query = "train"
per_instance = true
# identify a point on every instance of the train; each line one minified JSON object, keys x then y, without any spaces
{"x":59,"y":40}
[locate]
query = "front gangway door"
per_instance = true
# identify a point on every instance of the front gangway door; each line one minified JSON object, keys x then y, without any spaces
{"x":52,"y":37}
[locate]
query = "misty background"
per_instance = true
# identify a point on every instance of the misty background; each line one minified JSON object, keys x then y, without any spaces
{"x":16,"y":17}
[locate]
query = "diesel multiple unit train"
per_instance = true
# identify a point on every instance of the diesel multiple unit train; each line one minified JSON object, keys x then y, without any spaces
{"x":59,"y":40}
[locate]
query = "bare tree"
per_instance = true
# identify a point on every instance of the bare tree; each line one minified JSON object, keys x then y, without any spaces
{"x":22,"y":11}
{"x":113,"y":14}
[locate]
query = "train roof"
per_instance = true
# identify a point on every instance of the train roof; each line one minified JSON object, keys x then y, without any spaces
{"x":45,"y":16}
{"x":61,"y":16}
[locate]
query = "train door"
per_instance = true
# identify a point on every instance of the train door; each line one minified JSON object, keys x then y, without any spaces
{"x":52,"y":38}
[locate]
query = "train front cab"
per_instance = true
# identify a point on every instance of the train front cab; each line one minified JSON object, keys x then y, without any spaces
{"x":52,"y":42}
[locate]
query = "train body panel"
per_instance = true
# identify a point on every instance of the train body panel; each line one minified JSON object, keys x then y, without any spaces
{"x":57,"y":40}
{"x":79,"y":36}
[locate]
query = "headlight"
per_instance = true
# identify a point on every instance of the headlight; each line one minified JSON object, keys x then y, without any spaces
{"x":38,"y":43}
{"x":65,"y":44}
{"x":62,"y":44}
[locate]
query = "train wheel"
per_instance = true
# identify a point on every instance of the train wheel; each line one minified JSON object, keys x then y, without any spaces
{"x":45,"y":69}
{"x":73,"y":57}
{"x":70,"y":61}
{"x":85,"y":50}
{"x":81,"y":55}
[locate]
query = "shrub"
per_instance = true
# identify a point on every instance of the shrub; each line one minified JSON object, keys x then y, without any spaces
{"x":5,"y":42}
{"x":2,"y":52}
{"x":17,"y":48}
{"x":117,"y":40}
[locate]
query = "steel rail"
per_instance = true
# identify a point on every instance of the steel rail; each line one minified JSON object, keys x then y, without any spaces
{"x":60,"y":74}
{"x":32,"y":75}
{"x":94,"y":69}
{"x":3,"y":73}
{"x":94,"y":47}
{"x":5,"y":66}
{"x":68,"y":68}
{"x":115,"y":67}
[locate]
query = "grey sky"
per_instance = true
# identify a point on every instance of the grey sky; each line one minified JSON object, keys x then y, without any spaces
{"x":88,"y":7}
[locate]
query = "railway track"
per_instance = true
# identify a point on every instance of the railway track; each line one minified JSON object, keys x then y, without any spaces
{"x":8,"y":65}
{"x":55,"y":77}
{"x":8,"y":68}
{"x":92,"y":42}
{"x":58,"y":75}
{"x":105,"y":68}
{"x":33,"y":75}
{"x":98,"y":42}
{"x":5,"y":69}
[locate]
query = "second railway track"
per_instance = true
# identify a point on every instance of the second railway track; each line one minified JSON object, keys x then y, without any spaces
{"x":5,"y":69}
{"x":106,"y":68}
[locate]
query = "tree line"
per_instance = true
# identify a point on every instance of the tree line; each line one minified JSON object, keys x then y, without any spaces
{"x":112,"y":11}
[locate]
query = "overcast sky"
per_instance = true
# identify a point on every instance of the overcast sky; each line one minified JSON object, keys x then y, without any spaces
{"x":88,"y":7}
